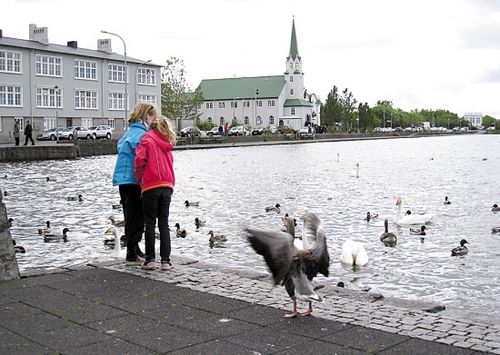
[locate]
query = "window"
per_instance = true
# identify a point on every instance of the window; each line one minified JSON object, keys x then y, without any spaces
{"x":49,"y":123}
{"x":221,"y":120}
{"x":111,"y":123}
{"x":87,"y":122}
{"x":10,"y":62}
{"x":116,"y":101}
{"x":234,"y":104}
{"x":271,"y":119}
{"x":293,"y":111}
{"x":296,"y":65}
{"x":116,"y":73}
{"x":222,"y":105}
{"x":270,"y":103}
{"x":246,"y":103}
{"x":259,"y":103}
{"x":48,"y":97}
{"x":148,"y":98}
{"x":85,"y":99}
{"x":146,"y":76}
{"x":48,"y":66}
{"x":10,"y":95}
{"x":291,"y":91}
{"x":85,"y":69}
{"x":291,"y":79}
{"x":291,"y":65}
{"x":209,"y":105}
{"x":246,"y":120}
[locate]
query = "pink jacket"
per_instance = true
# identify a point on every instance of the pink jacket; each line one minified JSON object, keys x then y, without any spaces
{"x":154,"y":162}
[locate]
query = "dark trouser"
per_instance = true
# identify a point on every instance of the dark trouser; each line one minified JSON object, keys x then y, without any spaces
{"x":17,"y":140}
{"x":130,"y":195}
{"x":30,"y":137}
{"x":156,"y":204}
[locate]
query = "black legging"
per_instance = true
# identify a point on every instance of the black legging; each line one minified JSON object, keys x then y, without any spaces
{"x":130,"y":195}
{"x":30,"y":137}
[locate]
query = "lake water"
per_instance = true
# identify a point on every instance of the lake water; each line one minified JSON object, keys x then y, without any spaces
{"x":234,"y":185}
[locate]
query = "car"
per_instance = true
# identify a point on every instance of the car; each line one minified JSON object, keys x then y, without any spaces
{"x":51,"y":134}
{"x":100,"y":131}
{"x":286,"y":130}
{"x":492,"y":128}
{"x":259,"y":130}
{"x":307,"y":131}
{"x":213,"y":132}
{"x":238,"y":131}
{"x":80,"y":131}
{"x":189,"y":131}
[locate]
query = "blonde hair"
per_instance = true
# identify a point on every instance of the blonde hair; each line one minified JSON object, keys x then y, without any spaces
{"x":140,"y":112}
{"x":162,"y":125}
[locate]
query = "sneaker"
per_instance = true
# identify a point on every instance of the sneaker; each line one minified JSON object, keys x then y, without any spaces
{"x":141,"y":254}
{"x":131,"y":262}
{"x":166,"y":266}
{"x":149,"y":265}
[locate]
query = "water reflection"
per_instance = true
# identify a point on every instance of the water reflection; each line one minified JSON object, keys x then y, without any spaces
{"x":234,"y":185}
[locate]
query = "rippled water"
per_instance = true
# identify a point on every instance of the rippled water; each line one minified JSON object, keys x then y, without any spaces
{"x":234,"y":185}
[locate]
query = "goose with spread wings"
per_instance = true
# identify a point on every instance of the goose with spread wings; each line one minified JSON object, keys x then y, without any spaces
{"x":292,"y":267}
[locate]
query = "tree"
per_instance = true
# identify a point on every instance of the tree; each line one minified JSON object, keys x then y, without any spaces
{"x":489,"y":121}
{"x":348,"y":104}
{"x":178,"y":102}
{"x":331,"y":110}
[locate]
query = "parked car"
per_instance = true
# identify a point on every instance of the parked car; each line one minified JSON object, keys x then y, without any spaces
{"x":307,"y":131}
{"x":258,"y":131}
{"x":81,"y":132}
{"x":213,"y":132}
{"x":189,"y":131}
{"x":51,"y":134}
{"x":286,"y":130}
{"x":238,"y":131}
{"x":100,"y":131}
{"x":491,"y":128}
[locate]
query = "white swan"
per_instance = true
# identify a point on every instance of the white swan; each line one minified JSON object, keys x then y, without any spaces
{"x":353,"y":253}
{"x":410,"y":218}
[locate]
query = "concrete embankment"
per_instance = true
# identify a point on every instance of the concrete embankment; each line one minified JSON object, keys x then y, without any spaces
{"x":8,"y":264}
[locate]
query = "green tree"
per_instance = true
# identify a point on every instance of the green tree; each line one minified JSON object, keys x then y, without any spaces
{"x":489,"y":121}
{"x":349,"y":112}
{"x":331,"y":110}
{"x":178,"y":101}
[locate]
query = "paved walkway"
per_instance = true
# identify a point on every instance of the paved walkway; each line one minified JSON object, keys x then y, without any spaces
{"x":193,"y":309}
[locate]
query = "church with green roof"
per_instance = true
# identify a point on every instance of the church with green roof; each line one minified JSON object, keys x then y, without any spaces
{"x":277,"y":100}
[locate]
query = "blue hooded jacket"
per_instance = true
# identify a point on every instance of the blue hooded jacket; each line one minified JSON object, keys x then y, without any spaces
{"x":124,"y":168}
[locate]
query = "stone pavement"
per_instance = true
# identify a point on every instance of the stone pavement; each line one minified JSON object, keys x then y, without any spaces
{"x":195,"y":309}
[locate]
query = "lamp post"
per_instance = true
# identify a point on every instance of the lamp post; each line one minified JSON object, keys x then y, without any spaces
{"x":255,"y":106}
{"x":136,"y":79}
{"x":125,"y":77}
{"x":56,"y":89}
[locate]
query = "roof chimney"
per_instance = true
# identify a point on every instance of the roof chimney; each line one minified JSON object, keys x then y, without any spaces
{"x":72,"y":44}
{"x":39,"y":34}
{"x":104,"y":45}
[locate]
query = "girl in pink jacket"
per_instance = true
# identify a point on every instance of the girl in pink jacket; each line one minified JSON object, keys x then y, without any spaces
{"x":154,"y":171}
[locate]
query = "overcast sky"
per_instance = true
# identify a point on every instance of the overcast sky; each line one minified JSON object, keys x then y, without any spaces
{"x":420,"y":54}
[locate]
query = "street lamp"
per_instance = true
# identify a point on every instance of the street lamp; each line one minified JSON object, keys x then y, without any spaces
{"x":255,"y":107}
{"x":136,"y":79}
{"x":125,"y":76}
{"x":56,"y":89}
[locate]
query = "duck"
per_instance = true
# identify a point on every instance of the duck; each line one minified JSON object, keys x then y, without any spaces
{"x":276,"y":208}
{"x":418,"y":231}
{"x":190,"y":204}
{"x":18,"y":248}
{"x":388,"y":238}
{"x":495,"y":208}
{"x":495,"y":230}
{"x":56,"y":237}
{"x":290,"y":266}
{"x":216,"y":240}
{"x":115,"y":222}
{"x":410,"y":218}
{"x":199,"y":223}
{"x":446,"y":201}
{"x":45,"y":229}
{"x":353,"y":253}
{"x":5,"y":193}
{"x":180,"y":233}
{"x":460,"y":250}
{"x":117,"y":206}
{"x":49,"y":179}
{"x":78,"y":197}
{"x":111,"y":240}
{"x":370,"y":216}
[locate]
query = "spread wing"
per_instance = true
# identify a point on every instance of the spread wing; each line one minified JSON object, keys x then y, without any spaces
{"x":319,"y":259}
{"x":276,"y":248}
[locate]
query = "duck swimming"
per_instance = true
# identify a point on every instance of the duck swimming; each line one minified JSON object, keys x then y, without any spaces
{"x":18,"y":248}
{"x":216,"y":240}
{"x":495,"y":208}
{"x":111,"y":240}
{"x":199,"y":223}
{"x":410,"y":218}
{"x":276,"y":208}
{"x":418,"y":231}
{"x":189,"y":204}
{"x":370,"y":216}
{"x":388,"y":238}
{"x":56,"y":237}
{"x":49,"y":179}
{"x":115,"y":222}
{"x":180,"y":233}
{"x":79,"y":197}
{"x":460,"y":250}
{"x":45,"y":229}
{"x":495,"y":230}
{"x":446,"y":201}
{"x":292,"y":267}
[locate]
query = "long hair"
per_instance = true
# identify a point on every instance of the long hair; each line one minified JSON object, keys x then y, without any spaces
{"x":162,"y":125}
{"x":140,"y":112}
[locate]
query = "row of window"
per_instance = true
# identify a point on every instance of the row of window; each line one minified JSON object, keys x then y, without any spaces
{"x":52,"y":98}
{"x":234,"y":104}
{"x":45,"y":65}
{"x":245,"y":120}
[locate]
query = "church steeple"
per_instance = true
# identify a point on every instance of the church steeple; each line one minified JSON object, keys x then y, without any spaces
{"x":294,"y":49}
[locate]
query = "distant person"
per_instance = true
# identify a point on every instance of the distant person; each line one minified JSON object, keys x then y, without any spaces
{"x":221,"y":130}
{"x":28,"y":132}
{"x":17,"y":132}
{"x":226,"y":128}
{"x":123,"y":177}
{"x":154,"y":169}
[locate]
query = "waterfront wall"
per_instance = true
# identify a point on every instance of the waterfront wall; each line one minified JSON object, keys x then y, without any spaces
{"x":8,"y":263}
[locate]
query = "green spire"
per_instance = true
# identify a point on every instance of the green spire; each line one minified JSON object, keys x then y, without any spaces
{"x":294,"y":49}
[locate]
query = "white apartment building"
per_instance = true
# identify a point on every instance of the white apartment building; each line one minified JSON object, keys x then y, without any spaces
{"x":279,"y":100}
{"x":53,"y":85}
{"x":475,"y":118}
